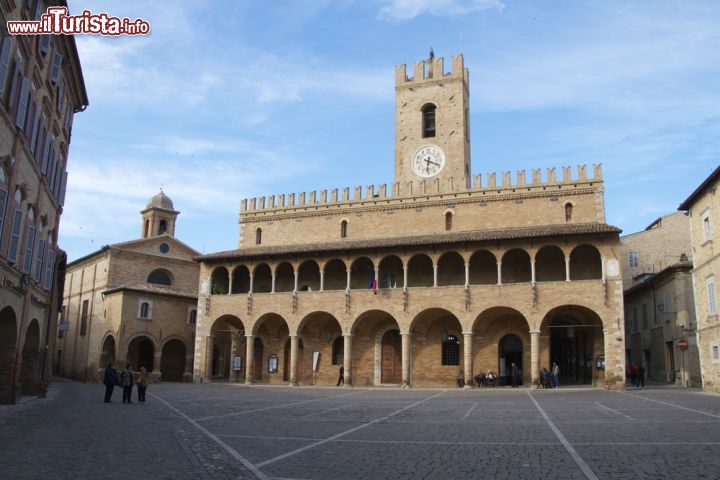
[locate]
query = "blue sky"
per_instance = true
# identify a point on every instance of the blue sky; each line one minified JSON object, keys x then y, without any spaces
{"x":226,"y":100}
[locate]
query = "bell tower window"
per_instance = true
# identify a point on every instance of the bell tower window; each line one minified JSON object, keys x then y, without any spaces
{"x":448,"y":221}
{"x":343,"y":229}
{"x":163,"y":227}
{"x":428,"y":120}
{"x":568,"y":212}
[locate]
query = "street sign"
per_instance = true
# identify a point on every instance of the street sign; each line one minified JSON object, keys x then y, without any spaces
{"x":682,"y":343}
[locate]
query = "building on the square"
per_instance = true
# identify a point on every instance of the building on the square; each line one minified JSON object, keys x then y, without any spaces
{"x":441,"y":272}
{"x":41,"y":89}
{"x":660,"y":325}
{"x":703,"y":209}
{"x":133,"y":302}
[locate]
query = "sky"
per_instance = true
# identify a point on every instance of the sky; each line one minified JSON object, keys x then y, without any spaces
{"x":227,"y":100}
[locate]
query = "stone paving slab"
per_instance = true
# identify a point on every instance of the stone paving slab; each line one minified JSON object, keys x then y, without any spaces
{"x":224,"y":431}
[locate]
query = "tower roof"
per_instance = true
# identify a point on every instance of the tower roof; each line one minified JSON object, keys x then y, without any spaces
{"x":160,"y":201}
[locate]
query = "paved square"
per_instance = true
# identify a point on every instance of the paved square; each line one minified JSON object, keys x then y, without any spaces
{"x":233,"y":431}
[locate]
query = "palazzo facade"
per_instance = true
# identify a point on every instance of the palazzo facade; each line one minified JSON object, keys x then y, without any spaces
{"x":439,"y":275}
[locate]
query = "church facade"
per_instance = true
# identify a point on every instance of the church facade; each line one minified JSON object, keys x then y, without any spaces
{"x":132,"y":302}
{"x":439,"y":276}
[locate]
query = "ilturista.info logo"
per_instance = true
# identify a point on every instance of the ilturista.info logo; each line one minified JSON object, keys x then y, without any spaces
{"x":57,"y":21}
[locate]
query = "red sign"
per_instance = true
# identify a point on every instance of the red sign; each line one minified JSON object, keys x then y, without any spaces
{"x":682,"y":344}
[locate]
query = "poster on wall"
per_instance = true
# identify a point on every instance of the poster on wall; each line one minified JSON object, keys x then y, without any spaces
{"x":237,"y":364}
{"x":316,"y":361}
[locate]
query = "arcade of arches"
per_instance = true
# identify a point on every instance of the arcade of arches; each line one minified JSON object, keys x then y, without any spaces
{"x":416,"y":318}
{"x":377,"y":349}
{"x":170,"y":363}
{"x":20,"y":357}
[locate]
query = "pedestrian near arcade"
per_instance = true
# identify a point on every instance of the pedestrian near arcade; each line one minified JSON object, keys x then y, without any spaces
{"x":641,"y":376}
{"x":142,"y":383}
{"x":514,"y":374}
{"x":127,"y":379}
{"x":110,"y":380}
{"x":555,"y":373}
{"x":633,"y":373}
{"x":341,"y":378}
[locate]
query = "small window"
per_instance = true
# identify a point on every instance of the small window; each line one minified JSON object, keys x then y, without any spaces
{"x":712,"y":306}
{"x":448,"y":221}
{"x":84,"y":318}
{"x":706,"y":227}
{"x":568,"y":212}
{"x":144,"y":309}
{"x":258,"y":236}
{"x":163,"y":227}
{"x":192,"y":317}
{"x":55,"y":69}
{"x":715,"y":353}
{"x":146,"y":229}
{"x":451,"y":351}
{"x":633,"y":259}
{"x":343,"y":229}
{"x":428,"y":120}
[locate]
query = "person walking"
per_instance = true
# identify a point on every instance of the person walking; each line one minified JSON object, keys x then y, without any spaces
{"x":142,"y":383}
{"x":341,"y":378}
{"x":514,"y":374}
{"x":555,"y":373}
{"x":127,"y":379}
{"x":460,"y":379}
{"x":110,"y":380}
{"x":633,"y":373}
{"x":641,"y":376}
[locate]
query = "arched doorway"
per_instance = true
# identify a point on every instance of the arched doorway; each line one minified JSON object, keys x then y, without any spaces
{"x":510,"y":350}
{"x":436,"y":353}
{"x":30,"y":359}
{"x":391,"y":357}
{"x":228,"y":335}
{"x":258,"y":357}
{"x":107,"y":354}
{"x":141,"y":353}
{"x":576,"y":344}
{"x":172,"y":362}
{"x":286,"y":361}
{"x":8,"y":338}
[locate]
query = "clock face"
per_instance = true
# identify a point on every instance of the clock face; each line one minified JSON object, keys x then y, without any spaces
{"x":428,"y":161}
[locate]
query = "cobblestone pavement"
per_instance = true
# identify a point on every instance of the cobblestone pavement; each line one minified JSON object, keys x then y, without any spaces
{"x":223,"y":431}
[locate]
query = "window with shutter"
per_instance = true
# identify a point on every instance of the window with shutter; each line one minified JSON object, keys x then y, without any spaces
{"x":3,"y":209}
{"x":15,"y":236}
{"x":14,"y":86}
{"x":4,"y":61}
{"x":44,"y":44}
{"x":61,"y":194}
{"x":46,"y":153}
{"x":49,"y":268}
{"x":29,"y":249}
{"x":60,"y":97}
{"x":22,"y":104}
{"x":37,"y":275}
{"x":29,"y":124}
{"x":52,"y":170}
{"x":35,"y":131}
{"x":55,"y":70}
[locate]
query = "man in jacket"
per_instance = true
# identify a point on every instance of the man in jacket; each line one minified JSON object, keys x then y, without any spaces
{"x":110,"y":380}
{"x":127,"y":379}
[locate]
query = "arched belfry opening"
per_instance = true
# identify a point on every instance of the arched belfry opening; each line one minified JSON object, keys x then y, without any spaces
{"x":159,"y":217}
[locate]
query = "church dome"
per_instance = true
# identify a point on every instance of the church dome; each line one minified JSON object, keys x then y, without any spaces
{"x":160,"y":201}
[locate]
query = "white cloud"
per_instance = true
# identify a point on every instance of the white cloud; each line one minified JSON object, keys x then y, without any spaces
{"x":398,"y":10}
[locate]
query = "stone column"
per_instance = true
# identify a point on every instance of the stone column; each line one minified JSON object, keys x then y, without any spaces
{"x":249,"y":359}
{"x":322,"y":280}
{"x":347,"y":359}
{"x":435,"y":269}
{"x":157,"y":362}
{"x":567,"y":269}
{"x":297,"y":274}
{"x":377,"y":276}
{"x":468,"y":358}
{"x":467,"y":274}
{"x":347,"y":288}
{"x":209,"y":342}
{"x":535,"y":358}
{"x":532,"y":271}
{"x":187,"y":372}
{"x":272,"y":286}
{"x":230,"y":282}
{"x":406,"y":346}
{"x":293,"y":359}
{"x":405,"y":272}
{"x":499,"y":267}
{"x":252,"y":278}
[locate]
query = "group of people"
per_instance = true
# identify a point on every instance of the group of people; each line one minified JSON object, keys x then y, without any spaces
{"x":488,"y":379}
{"x":550,"y":379}
{"x":126,"y":379}
{"x":637,"y":375}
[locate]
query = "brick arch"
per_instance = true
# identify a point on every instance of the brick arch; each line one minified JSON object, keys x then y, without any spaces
{"x":451,"y":269}
{"x":262,"y":278}
{"x":219,"y":281}
{"x":335,"y":274}
{"x":391,"y":272}
{"x":30,"y":370}
{"x":549,"y":264}
{"x":108,"y":349}
{"x":492,"y":314}
{"x":137,"y":353}
{"x":516,"y":266}
{"x":585,"y":263}
{"x":222,"y":330}
{"x":420,"y":270}
{"x":317,"y":331}
{"x":362,"y":271}
{"x":483,"y":267}
{"x":309,"y":275}
{"x":284,"y":277}
{"x":241,"y":279}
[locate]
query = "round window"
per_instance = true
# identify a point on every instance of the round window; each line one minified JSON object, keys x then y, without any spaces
{"x":164,"y":248}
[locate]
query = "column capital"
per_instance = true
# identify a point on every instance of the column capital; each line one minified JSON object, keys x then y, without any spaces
{"x":405,"y":333}
{"x":249,"y":335}
{"x":347,"y":334}
{"x":535,"y":332}
{"x":293,"y":335}
{"x":468,"y":333}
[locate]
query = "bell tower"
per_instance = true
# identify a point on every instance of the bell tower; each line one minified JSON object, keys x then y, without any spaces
{"x":159,"y":217}
{"x":432,"y":131}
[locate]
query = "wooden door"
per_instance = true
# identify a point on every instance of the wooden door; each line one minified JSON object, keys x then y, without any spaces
{"x":391,"y":363}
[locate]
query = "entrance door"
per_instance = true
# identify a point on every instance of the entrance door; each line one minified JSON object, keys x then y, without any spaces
{"x":391,"y":363}
{"x":510,"y":350}
{"x":258,"y":359}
